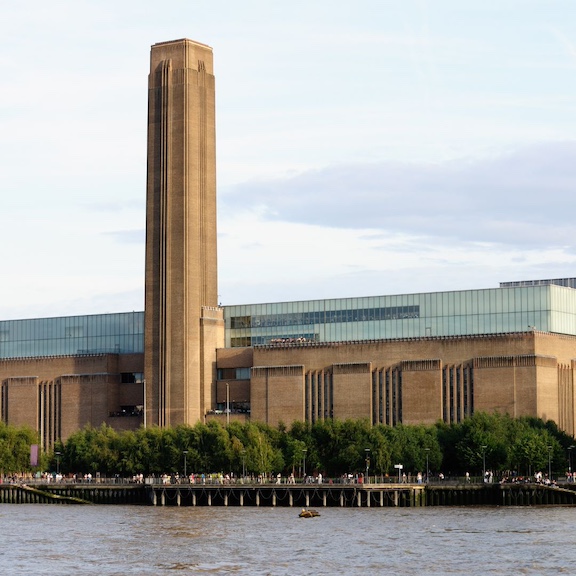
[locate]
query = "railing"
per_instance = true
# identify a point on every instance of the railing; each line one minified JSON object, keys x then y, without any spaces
{"x":218,"y":480}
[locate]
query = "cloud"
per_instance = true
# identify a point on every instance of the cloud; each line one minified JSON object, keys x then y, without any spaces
{"x":524,"y":199}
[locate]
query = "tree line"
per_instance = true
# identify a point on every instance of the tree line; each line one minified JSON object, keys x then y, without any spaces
{"x":491,"y":441}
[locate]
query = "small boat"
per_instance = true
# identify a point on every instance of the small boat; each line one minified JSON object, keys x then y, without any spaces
{"x":308,"y":513}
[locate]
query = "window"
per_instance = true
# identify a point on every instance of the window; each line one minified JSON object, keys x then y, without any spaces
{"x":242,"y":373}
{"x":132,"y":377}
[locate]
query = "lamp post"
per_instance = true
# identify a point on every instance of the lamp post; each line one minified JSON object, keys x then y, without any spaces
{"x":484,"y":463}
{"x":58,"y":454}
{"x":185,"y":452}
{"x":570,"y":461}
{"x":550,"y":463}
{"x":227,"y":404}
{"x":243,"y":464}
{"x":144,"y":400}
{"x":367,"y":460}
{"x":427,"y":450}
{"x":304,"y":472}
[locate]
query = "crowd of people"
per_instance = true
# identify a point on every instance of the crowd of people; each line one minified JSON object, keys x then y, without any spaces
{"x":538,"y":478}
{"x":45,"y":477}
{"x":221,"y":478}
{"x":299,"y":340}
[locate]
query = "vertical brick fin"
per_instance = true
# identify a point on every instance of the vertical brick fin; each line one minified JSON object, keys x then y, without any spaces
{"x":50,"y":412}
{"x":202,"y":171}
{"x":4,"y":402}
{"x":566,"y":398}
{"x":164,"y":255}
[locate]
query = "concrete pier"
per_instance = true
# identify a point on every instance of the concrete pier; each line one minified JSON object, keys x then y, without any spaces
{"x":302,"y":496}
{"x":72,"y":494}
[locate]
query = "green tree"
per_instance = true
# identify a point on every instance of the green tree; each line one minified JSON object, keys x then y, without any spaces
{"x":214,"y":448}
{"x":380,"y":451}
{"x":261,"y":456}
{"x":15,"y":443}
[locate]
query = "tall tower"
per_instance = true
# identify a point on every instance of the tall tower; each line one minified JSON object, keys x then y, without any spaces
{"x":183,"y":323}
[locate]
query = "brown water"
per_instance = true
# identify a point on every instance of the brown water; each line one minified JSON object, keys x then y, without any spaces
{"x":115,"y":540}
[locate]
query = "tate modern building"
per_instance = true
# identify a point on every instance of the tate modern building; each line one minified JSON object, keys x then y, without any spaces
{"x":407,"y":358}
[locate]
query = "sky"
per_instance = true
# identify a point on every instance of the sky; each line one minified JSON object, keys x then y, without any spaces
{"x":363,"y":148}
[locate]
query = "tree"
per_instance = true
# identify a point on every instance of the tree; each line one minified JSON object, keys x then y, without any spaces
{"x":214,"y":447}
{"x":15,"y":445}
{"x":261,"y":456}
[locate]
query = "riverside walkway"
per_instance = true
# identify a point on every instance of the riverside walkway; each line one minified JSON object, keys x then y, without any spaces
{"x":298,"y":495}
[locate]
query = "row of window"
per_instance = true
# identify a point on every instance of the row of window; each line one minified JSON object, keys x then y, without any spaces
{"x":238,"y":374}
{"x":121,"y":333}
{"x":127,"y":344}
{"x":447,"y":326}
{"x":326,"y":317}
{"x":126,"y":323}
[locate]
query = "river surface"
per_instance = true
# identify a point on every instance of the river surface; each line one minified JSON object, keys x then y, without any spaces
{"x":123,"y":540}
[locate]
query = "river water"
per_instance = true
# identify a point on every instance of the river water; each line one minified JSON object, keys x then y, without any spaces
{"x":124,"y":540}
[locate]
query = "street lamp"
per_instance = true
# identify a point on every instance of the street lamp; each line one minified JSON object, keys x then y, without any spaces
{"x":227,"y":404}
{"x":304,"y":452}
{"x":367,"y":451}
{"x":570,"y":460}
{"x":58,"y":454}
{"x":484,"y":463}
{"x":550,"y":463}
{"x":243,"y":464}
{"x":427,"y":450}
{"x":144,"y":400}
{"x":185,"y":452}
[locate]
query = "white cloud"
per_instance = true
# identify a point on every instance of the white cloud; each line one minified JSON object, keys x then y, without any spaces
{"x":511,"y":199}
{"x":263,"y":261}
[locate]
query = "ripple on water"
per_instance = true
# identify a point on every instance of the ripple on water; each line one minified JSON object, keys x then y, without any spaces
{"x":110,"y":540}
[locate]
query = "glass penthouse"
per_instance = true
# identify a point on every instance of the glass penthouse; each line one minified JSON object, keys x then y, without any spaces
{"x":73,"y":335}
{"x":543,"y":307}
